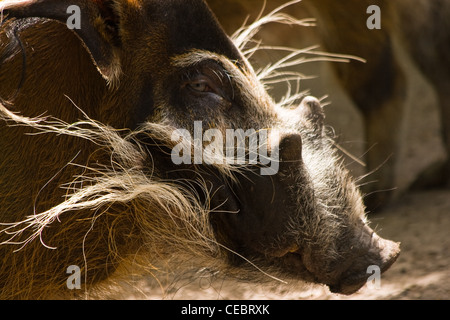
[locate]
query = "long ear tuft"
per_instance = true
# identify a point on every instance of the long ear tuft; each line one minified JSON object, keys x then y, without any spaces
{"x":98,"y":26}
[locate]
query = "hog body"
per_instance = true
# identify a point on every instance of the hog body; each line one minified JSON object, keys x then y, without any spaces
{"x":87,"y":178}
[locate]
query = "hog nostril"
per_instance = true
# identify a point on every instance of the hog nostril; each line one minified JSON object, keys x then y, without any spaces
{"x":291,"y":148}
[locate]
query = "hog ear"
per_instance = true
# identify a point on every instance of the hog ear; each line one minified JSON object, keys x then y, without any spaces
{"x":311,"y":109}
{"x":98,"y":29}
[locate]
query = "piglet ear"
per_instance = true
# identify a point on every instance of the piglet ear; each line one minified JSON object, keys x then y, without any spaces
{"x":97,"y":27}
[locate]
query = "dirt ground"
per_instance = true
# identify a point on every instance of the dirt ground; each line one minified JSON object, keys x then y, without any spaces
{"x":420,"y":221}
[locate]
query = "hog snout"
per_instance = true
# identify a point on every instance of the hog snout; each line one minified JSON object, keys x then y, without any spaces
{"x":370,"y":252}
{"x":381,"y":254}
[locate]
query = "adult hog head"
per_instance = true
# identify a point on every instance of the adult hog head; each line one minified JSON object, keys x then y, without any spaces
{"x":169,"y":62}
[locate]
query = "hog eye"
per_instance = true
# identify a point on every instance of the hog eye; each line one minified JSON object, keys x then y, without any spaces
{"x":206,"y":81}
{"x":200,"y":85}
